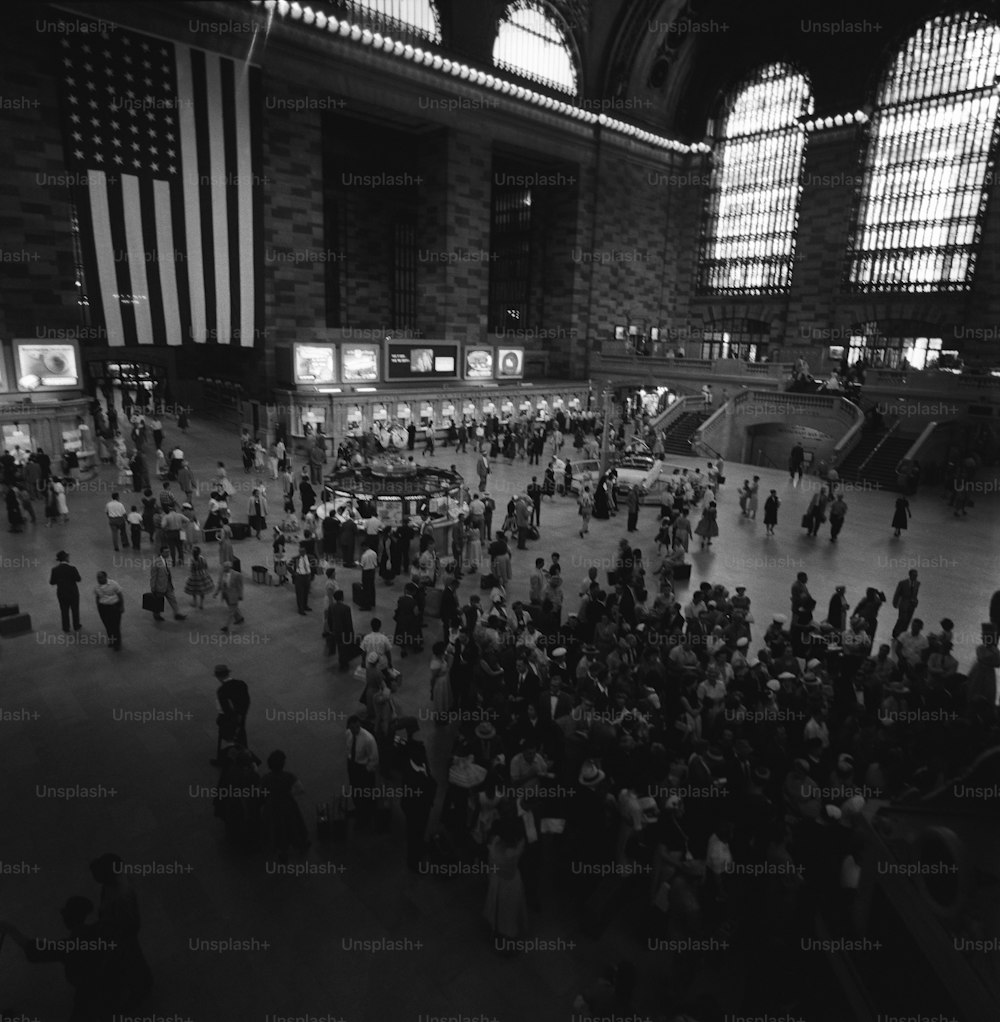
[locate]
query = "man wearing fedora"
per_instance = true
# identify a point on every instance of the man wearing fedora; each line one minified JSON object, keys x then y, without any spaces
{"x":67,"y":581}
{"x":161,"y":583}
{"x":230,"y":588}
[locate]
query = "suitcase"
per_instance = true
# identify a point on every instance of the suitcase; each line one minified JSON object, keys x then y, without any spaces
{"x":260,"y":573}
{"x":240,"y":530}
{"x":359,"y":597}
{"x":237,"y":565}
{"x":9,"y":609}
{"x":15,"y":624}
{"x":153,"y":602}
{"x":533,"y":532}
{"x":682,"y":572}
{"x":432,"y":602}
{"x":488,"y":582}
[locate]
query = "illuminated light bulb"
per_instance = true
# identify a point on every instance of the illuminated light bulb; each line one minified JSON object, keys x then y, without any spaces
{"x":388,"y":45}
{"x":333,"y":25}
{"x":480,"y":78}
{"x":398,"y":49}
{"x":283,"y":7}
{"x":490,"y":81}
{"x":418,"y":55}
{"x":356,"y":33}
{"x":838,"y":121}
{"x":321,"y":20}
{"x":377,"y":40}
{"x":367,"y":37}
{"x":408,"y":52}
{"x":296,"y":9}
{"x":428,"y":59}
{"x":308,"y":15}
{"x":438,"y":62}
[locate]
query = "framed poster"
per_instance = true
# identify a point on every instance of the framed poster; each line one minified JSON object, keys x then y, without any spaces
{"x":510,"y":363}
{"x":359,"y":363}
{"x":314,"y":363}
{"x":479,"y":363}
{"x":46,"y":365}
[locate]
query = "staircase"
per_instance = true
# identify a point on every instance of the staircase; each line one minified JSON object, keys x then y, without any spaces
{"x":677,"y":439}
{"x":875,"y":458}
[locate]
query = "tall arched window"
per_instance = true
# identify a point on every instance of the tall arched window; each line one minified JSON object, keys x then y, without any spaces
{"x":400,"y":19}
{"x":533,"y":42}
{"x":748,"y":244}
{"x":932,"y":138}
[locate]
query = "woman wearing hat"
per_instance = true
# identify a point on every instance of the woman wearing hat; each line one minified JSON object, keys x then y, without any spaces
{"x":837,"y":611}
{"x":771,"y":506}
{"x":199,"y":582}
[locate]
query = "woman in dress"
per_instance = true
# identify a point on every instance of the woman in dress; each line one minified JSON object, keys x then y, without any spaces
{"x":409,"y":622}
{"x":257,"y":513}
{"x":473,"y":548}
{"x":901,"y":518}
{"x":708,"y":527}
{"x":500,"y":558}
{"x":506,"y":909}
{"x":601,"y":508}
{"x":586,"y":510}
{"x":60,"y":507}
{"x":683,"y":530}
{"x":281,"y":818}
{"x":868,"y":609}
{"x":752,"y":498}
{"x":199,"y":581}
{"x":744,"y":496}
{"x":771,"y":506}
{"x":225,"y":543}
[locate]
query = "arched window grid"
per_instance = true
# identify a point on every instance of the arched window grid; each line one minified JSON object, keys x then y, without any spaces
{"x":533,"y":42}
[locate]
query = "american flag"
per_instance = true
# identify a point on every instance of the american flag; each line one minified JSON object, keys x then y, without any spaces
{"x":163,"y":145}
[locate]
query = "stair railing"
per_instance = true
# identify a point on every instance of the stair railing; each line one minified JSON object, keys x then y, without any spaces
{"x":871,"y":454}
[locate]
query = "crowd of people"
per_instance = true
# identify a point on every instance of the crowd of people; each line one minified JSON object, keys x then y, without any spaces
{"x":618,"y":720}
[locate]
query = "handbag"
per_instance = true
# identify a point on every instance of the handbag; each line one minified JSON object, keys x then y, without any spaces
{"x":154,"y":602}
{"x":805,"y":521}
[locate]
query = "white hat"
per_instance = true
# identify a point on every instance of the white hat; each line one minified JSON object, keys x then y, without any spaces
{"x":558,"y":653}
{"x":742,"y":643}
{"x":774,"y":685}
{"x":780,"y":619}
{"x":813,"y":663}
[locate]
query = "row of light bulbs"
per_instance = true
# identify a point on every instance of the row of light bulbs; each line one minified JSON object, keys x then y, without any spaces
{"x":858,"y":117}
{"x":469,"y":74}
{"x":417,"y":55}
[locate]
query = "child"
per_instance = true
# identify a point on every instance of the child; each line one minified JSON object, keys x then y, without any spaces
{"x":134,"y":520}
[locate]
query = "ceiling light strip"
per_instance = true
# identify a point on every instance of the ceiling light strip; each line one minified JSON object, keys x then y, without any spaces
{"x":445,"y":66}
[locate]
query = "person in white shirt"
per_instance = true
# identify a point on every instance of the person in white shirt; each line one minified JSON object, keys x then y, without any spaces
{"x":117,"y":514}
{"x":912,"y":645}
{"x":377,"y":642}
{"x":369,"y":566}
{"x":362,"y":767}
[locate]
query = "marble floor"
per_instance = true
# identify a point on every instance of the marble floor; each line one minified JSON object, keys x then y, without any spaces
{"x":68,"y":717}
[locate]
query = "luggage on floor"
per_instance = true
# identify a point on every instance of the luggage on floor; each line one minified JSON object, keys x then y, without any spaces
{"x":15,"y":624}
{"x":488,"y":582}
{"x":240,"y":530}
{"x":359,"y":596}
{"x":533,"y":532}
{"x":153,"y":602}
{"x":682,"y":572}
{"x":9,"y":609}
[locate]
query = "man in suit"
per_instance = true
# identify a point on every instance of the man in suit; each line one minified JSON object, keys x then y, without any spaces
{"x":523,"y":517}
{"x":66,"y":579}
{"x":450,"y":612}
{"x":230,"y":588}
{"x":302,"y":576}
{"x":554,"y":704}
{"x":340,"y":630}
{"x":634,"y":496}
{"x":535,"y":495}
{"x":522,"y":683}
{"x":161,"y":583}
{"x":362,"y":768}
{"x":233,"y":698}
{"x":347,"y":537}
{"x":904,"y":599}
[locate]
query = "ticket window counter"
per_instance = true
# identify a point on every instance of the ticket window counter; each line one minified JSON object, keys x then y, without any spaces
{"x":404,"y":413}
{"x":448,"y":412}
{"x":525,"y":408}
{"x":469,"y":410}
{"x":489,"y":408}
{"x":380,"y":415}
{"x":557,"y":403}
{"x":355,"y":420}
{"x":542,"y":407}
{"x":309,"y":420}
{"x":76,"y":442}
{"x":574,"y":404}
{"x":426,"y":414}
{"x":16,"y":435}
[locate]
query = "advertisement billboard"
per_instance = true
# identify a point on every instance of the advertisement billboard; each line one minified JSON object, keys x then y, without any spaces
{"x":479,"y":363}
{"x":421,"y":360}
{"x":359,"y":363}
{"x":510,"y":363}
{"x":315,"y":363}
{"x":46,"y":365}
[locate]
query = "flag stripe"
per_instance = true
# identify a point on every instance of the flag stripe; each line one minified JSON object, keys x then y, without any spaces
{"x":191,"y":192}
{"x":220,"y":196}
{"x":104,"y":257}
{"x":121,"y":291}
{"x":162,"y":217}
{"x":244,"y":205}
{"x":182,"y":254}
{"x":257,"y":330}
{"x":204,"y":184}
{"x":233,"y":187}
{"x":154,"y":260}
{"x":88,"y":249}
{"x":136,"y":259}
